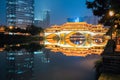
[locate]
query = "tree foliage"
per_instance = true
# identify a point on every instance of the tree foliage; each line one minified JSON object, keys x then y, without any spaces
{"x":34,"y":30}
{"x":101,"y":8}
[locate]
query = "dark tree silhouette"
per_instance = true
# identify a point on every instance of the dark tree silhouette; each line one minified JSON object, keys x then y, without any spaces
{"x":102,"y":7}
{"x":34,"y":30}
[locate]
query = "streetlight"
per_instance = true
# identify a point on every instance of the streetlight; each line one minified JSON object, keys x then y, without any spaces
{"x":111,"y":13}
{"x":116,"y":23}
{"x":10,"y":27}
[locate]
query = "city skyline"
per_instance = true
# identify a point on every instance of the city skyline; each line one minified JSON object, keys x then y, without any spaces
{"x":59,"y":40}
{"x":60,"y":10}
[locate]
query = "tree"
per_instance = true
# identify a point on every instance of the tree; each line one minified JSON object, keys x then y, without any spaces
{"x":101,"y":8}
{"x":34,"y":30}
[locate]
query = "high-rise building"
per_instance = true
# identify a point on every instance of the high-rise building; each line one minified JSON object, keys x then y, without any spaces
{"x":19,"y":13}
{"x":91,"y":19}
{"x":44,"y":20}
{"x":38,"y":23}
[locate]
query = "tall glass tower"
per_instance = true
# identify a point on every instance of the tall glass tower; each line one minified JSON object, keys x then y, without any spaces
{"x":19,"y":13}
{"x":46,"y":18}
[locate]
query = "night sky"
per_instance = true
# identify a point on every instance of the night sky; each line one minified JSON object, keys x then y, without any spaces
{"x":62,"y":9}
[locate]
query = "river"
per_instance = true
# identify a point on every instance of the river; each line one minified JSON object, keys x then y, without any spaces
{"x":35,"y":62}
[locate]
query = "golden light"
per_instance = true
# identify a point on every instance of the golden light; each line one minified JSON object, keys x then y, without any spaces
{"x":69,"y":42}
{"x":10,"y":27}
{"x":111,"y":13}
{"x":2,"y":29}
{"x":115,"y":26}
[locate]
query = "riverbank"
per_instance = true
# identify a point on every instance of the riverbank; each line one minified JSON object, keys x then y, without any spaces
{"x":105,"y":76}
{"x":14,"y":39}
{"x":108,"y":68}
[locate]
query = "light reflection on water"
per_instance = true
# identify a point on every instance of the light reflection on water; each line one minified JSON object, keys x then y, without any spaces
{"x":34,"y":62}
{"x":75,"y":43}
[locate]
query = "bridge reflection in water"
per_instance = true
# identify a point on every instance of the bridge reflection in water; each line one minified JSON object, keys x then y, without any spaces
{"x":76,"y":38}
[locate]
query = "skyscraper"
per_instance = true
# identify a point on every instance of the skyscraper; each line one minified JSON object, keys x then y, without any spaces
{"x":44,"y":20}
{"x":19,"y":13}
{"x":91,"y":19}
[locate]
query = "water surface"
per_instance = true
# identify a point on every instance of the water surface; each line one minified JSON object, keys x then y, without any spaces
{"x":34,"y":62}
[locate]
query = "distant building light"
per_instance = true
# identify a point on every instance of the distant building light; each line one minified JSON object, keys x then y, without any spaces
{"x":10,"y":33}
{"x":38,"y":52}
{"x":76,"y":19}
{"x":20,"y":72}
{"x":11,"y":58}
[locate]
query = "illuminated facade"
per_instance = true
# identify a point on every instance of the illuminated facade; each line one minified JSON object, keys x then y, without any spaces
{"x":19,"y":13}
{"x":76,"y":38}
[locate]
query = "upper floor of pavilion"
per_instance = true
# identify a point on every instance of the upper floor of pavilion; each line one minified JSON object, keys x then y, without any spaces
{"x":77,"y":26}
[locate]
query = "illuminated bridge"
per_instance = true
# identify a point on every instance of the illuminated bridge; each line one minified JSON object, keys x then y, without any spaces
{"x":76,"y":38}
